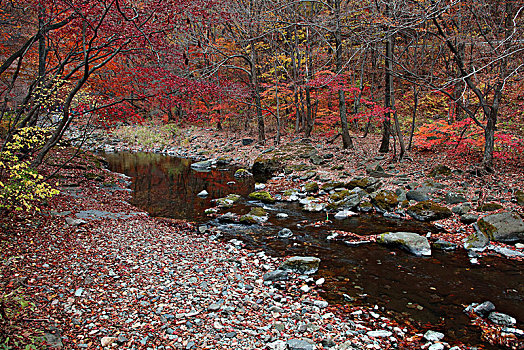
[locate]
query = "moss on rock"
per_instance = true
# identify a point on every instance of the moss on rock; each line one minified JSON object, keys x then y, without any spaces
{"x":311,"y":186}
{"x":428,"y":211}
{"x":385,"y":200}
{"x":489,"y":207}
{"x":340,"y":195}
{"x":263,"y":196}
{"x":440,"y":170}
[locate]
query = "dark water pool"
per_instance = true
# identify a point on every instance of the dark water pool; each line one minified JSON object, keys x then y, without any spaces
{"x":431,"y":291}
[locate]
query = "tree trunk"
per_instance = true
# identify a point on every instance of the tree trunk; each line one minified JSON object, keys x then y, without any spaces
{"x":384,"y":145}
{"x":256,"y":90}
{"x":347,"y":143}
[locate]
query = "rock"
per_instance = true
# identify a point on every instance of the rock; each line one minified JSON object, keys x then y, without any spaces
{"x":262,"y":196}
{"x":412,"y":242}
{"x":242,"y":173}
{"x":74,"y":222}
{"x":314,"y":206}
{"x":483,"y":310}
{"x":306,"y":265}
{"x":107,"y":341}
{"x":282,"y":215}
{"x":285,"y":233}
{"x":266,"y":167}
{"x":203,"y":194}
{"x":440,"y":170}
{"x":461,"y":209}
{"x":229,"y":217}
{"x":343,"y":214}
{"x":331,"y":185}
{"x":277,"y":275}
{"x":502,"y":319}
{"x":507,"y":252}
{"x":444,"y":245}
{"x":364,"y":183}
{"x":468,"y":218}
{"x":309,"y":175}
{"x":477,"y":240}
{"x":376,"y":170}
{"x":339,"y":195}
{"x":257,"y":215}
{"x":379,"y":334}
{"x":204,"y":165}
{"x":321,"y":304}
{"x":277,"y":345}
{"x":228,"y":201}
{"x":433,"y":336}
{"x":247,"y":141}
{"x":437,"y":346}
{"x":489,"y":207}
{"x":53,"y":338}
{"x":502,"y":227}
{"x":311,"y":187}
{"x":384,"y":201}
{"x":300,"y":344}
{"x":519,"y":197}
{"x":316,"y":159}
{"x":348,"y":345}
{"x":259,"y":186}
{"x":428,"y":211}
{"x":454,"y":198}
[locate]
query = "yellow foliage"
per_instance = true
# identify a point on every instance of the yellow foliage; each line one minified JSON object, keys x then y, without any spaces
{"x":20,"y":185}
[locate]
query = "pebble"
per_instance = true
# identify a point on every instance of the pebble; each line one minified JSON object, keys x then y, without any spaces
{"x":433,"y":336}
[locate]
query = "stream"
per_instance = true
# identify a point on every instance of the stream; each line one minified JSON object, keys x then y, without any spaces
{"x":431,"y":291}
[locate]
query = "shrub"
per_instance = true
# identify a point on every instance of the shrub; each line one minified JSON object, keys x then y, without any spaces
{"x":20,"y":185}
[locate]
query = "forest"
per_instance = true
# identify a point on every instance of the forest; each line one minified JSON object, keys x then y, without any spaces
{"x":382,"y":92}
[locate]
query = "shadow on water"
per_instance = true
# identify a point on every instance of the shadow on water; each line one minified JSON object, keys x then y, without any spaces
{"x":431,"y":290}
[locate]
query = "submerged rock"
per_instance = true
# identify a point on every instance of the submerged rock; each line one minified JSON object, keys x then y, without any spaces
{"x":285,"y":233}
{"x":306,"y":265}
{"x":412,"y":242}
{"x":428,"y":211}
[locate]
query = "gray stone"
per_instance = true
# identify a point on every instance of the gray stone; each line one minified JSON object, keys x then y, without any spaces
{"x":444,"y":245}
{"x":433,"y":336}
{"x":502,"y":319}
{"x":502,"y":227}
{"x":300,"y":344}
{"x":107,"y":341}
{"x":343,"y":214}
{"x":301,"y":264}
{"x":314,"y":206}
{"x":53,"y":338}
{"x":428,"y":211}
{"x":379,"y":334}
{"x":277,"y":275}
{"x":203,"y":193}
{"x":75,"y":222}
{"x":412,"y":242}
{"x":477,"y":240}
{"x":437,"y":346}
{"x":507,"y":252}
{"x":285,"y":233}
{"x":454,"y":198}
{"x":461,"y":209}
{"x":468,"y":218}
{"x":204,"y":165}
{"x":483,"y":310}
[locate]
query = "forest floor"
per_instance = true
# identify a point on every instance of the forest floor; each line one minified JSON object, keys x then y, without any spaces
{"x":101,"y":272}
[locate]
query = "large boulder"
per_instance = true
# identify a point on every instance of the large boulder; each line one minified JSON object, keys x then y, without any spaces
{"x":301,"y":264}
{"x":428,"y":211}
{"x":412,"y":242}
{"x":366,"y":183}
{"x":502,"y":227}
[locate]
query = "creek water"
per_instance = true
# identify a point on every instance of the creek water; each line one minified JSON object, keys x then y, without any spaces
{"x":431,"y":291}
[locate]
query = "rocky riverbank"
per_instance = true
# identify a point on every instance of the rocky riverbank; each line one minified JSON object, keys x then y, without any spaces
{"x":322,"y":184}
{"x":105,"y":274}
